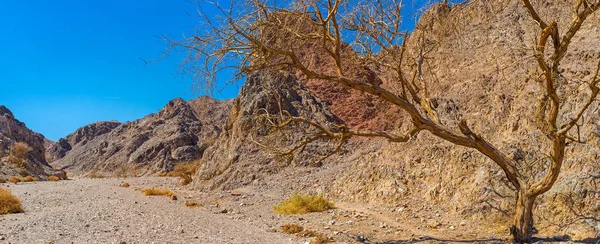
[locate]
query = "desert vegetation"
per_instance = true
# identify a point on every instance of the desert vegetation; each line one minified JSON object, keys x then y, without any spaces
{"x":348,"y":36}
{"x":158,"y":192}
{"x":9,"y":203}
{"x":53,"y":178}
{"x":192,"y":204}
{"x":29,"y":178}
{"x":184,"y":171}
{"x":301,"y":204}
{"x":126,"y":170}
{"x":18,"y":154}
{"x":299,"y":231}
{"x":14,"y":179}
{"x":125,"y":184}
{"x":94,"y":174}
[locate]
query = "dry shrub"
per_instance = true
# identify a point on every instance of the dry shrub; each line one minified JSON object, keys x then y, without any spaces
{"x":2,"y":180}
{"x":125,"y":185}
{"x":18,"y":154}
{"x":28,"y":178}
{"x":53,"y":178}
{"x":124,"y":171}
{"x":320,"y":239}
{"x":291,"y":229}
{"x":300,"y":204}
{"x":9,"y":203}
{"x":94,"y":174}
{"x":192,"y":204}
{"x":14,"y":179}
{"x":162,"y":174}
{"x":308,"y":233}
{"x":22,"y":172}
{"x":184,"y":171}
{"x":158,"y":192}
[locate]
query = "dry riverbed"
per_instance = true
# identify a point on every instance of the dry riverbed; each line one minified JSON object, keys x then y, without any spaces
{"x":99,"y":211}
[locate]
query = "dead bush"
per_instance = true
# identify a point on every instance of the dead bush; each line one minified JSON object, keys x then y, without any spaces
{"x":2,"y":180}
{"x":192,"y":204}
{"x":18,"y":154}
{"x":291,"y":229}
{"x":94,"y":174}
{"x":22,"y":172}
{"x":158,"y":192}
{"x":185,"y":171}
{"x":28,"y":178}
{"x":9,"y":203}
{"x":14,"y":179}
{"x":124,"y":171}
{"x":300,"y":204}
{"x":320,"y":239}
{"x":125,"y":185}
{"x":53,"y":178}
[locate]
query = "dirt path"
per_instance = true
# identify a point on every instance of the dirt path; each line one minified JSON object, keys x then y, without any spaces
{"x":98,"y":211}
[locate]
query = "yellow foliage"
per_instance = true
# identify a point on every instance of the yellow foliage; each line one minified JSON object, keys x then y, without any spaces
{"x":157,"y":192}
{"x":14,"y":179}
{"x":185,"y":171}
{"x":9,"y":203}
{"x":28,"y":178}
{"x":300,"y":204}
{"x":18,"y":154}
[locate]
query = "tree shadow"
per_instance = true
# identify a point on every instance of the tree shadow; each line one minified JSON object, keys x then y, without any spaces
{"x":427,"y":239}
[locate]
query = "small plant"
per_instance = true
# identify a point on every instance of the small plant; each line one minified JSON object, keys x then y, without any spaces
{"x":22,"y":172}
{"x":9,"y":203}
{"x":320,"y":239}
{"x":125,"y":185}
{"x":124,"y":171}
{"x":2,"y":180}
{"x":185,"y":171}
{"x":291,"y":229}
{"x":14,"y":179}
{"x":308,"y":233}
{"x":18,"y":154}
{"x":157,"y":192}
{"x":192,"y":204}
{"x":300,"y":204}
{"x":162,"y":174}
{"x":53,"y":178}
{"x":28,"y":178}
{"x":94,"y":174}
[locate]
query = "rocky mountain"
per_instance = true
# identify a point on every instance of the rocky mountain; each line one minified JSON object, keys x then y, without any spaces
{"x":181,"y":131}
{"x":59,"y":149}
{"x":241,"y":154}
{"x":13,"y":131}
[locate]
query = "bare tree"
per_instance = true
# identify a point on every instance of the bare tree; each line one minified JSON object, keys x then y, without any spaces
{"x":259,"y":35}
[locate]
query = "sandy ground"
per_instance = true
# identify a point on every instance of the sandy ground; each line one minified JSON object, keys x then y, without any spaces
{"x":99,"y":211}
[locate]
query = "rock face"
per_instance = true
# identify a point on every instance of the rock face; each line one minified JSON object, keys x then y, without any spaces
{"x":481,"y":56}
{"x":480,"y":68}
{"x":84,"y":134}
{"x":237,"y":158}
{"x":13,"y":131}
{"x":181,"y":131}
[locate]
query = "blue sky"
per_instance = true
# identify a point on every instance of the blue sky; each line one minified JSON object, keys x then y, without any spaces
{"x":68,"y":63}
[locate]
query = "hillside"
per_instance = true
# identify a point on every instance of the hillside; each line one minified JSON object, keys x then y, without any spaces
{"x":179,"y":132}
{"x":13,"y":131}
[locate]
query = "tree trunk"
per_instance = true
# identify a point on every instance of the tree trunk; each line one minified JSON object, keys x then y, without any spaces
{"x":523,"y":224}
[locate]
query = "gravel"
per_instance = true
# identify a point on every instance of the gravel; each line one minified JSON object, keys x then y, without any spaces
{"x":99,"y":211}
